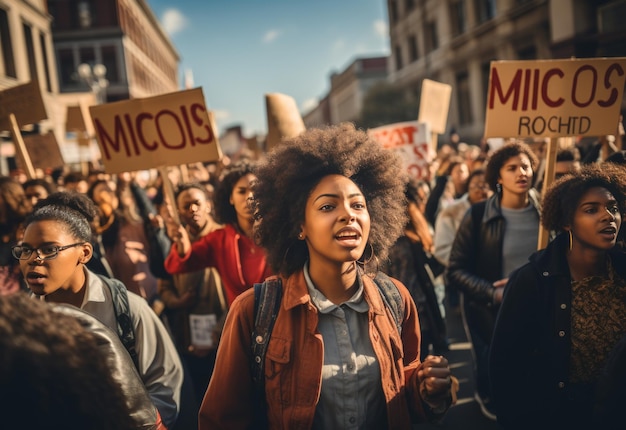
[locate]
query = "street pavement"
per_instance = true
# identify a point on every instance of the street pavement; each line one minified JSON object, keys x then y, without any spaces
{"x":466,"y":414}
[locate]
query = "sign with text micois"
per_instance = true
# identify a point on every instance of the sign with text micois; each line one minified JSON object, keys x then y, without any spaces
{"x":166,"y":130}
{"x":555,"y":98}
{"x":411,"y":140}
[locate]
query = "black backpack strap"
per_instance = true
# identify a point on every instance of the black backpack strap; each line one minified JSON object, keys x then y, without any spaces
{"x":267,"y":297}
{"x":391,"y":297}
{"x":125,"y":330}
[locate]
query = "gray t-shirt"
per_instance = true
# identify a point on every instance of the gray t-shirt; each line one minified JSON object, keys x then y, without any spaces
{"x":520,"y":237}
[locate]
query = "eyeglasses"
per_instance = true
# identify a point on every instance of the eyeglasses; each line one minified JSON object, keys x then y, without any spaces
{"x":46,"y":252}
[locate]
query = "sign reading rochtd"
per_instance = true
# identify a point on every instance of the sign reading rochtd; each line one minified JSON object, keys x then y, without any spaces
{"x":555,"y":98}
{"x":166,"y":130}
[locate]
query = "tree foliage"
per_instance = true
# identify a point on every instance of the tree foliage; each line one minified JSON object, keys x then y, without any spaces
{"x":385,"y":104}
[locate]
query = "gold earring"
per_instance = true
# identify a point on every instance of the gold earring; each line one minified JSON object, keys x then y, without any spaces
{"x":571,"y":239}
{"x":300,"y":236}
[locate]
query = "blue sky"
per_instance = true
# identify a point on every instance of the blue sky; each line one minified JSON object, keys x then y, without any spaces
{"x":240,"y":50}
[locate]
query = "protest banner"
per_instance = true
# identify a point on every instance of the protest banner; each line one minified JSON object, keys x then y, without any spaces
{"x":411,"y":140}
{"x":74,"y":120}
{"x":43,"y":151}
{"x":165,"y":130}
{"x":283,"y":119}
{"x":555,"y":98}
{"x":434,"y":106}
{"x":19,"y":106}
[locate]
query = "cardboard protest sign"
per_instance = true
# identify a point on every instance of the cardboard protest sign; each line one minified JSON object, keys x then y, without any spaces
{"x":165,"y":130}
{"x":75,"y":120}
{"x":43,"y":150}
{"x":24,"y":102}
{"x":434,"y":105}
{"x":283,"y":119}
{"x":555,"y":98}
{"x":411,"y":140}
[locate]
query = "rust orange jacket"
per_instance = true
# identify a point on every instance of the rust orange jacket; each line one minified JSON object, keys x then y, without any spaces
{"x":293,"y":364}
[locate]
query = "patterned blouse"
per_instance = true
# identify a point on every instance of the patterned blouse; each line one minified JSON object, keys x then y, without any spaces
{"x":598,"y":323}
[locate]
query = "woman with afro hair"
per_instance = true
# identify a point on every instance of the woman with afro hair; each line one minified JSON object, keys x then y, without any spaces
{"x":329,"y":203}
{"x":556,"y":359}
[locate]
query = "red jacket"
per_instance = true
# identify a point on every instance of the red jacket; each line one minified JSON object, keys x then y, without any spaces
{"x":294,"y":360}
{"x":238,"y":260}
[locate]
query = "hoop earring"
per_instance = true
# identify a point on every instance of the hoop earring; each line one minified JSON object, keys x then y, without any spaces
{"x":499,"y":189}
{"x":365,"y":261}
{"x":571,"y":239}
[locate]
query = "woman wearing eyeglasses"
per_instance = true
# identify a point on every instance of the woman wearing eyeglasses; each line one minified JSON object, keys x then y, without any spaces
{"x":52,"y":256}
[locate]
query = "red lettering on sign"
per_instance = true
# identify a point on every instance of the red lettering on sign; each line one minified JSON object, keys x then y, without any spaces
{"x":615,"y":67}
{"x":129,"y":134}
{"x":531,"y":87}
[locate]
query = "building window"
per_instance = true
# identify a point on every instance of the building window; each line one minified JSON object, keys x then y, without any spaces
{"x":432,"y":40}
{"x":30,"y":50}
{"x":87,"y":54}
{"x":413,"y":53}
{"x":457,"y":14}
{"x":393,"y":11}
{"x":7,"y":46}
{"x":398,"y":57}
{"x":44,"y":55}
{"x":528,"y":53}
{"x":67,"y":67}
{"x":485,"y":10}
{"x":109,"y":59}
{"x":463,"y":98}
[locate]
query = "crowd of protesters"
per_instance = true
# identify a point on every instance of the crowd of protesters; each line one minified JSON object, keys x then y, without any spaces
{"x":552,"y":328}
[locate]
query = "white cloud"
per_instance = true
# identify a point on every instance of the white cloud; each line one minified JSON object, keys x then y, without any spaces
{"x":173,"y":21}
{"x":381,"y":28}
{"x":221,"y":115}
{"x":308,"y":105}
{"x":270,"y":36}
{"x":338,"y":45}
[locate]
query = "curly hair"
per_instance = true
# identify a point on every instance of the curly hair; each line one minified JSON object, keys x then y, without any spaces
{"x":225,"y":212}
{"x":290,"y":172}
{"x":75,"y":210}
{"x":52,"y":372}
{"x":562,"y":197}
{"x":502,"y":155}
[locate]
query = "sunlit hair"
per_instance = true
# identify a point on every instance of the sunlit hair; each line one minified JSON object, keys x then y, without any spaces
{"x":225,"y":212}
{"x":291,"y":171}
{"x":75,"y":210}
{"x":502,"y":155}
{"x":563,"y":196}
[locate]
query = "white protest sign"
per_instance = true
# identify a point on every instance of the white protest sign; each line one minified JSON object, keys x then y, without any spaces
{"x":411,"y":140}
{"x":434,"y":105}
{"x":166,"y":130}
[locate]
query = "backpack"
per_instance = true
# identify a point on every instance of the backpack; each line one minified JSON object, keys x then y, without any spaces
{"x":267,"y":299}
{"x":125,"y":330}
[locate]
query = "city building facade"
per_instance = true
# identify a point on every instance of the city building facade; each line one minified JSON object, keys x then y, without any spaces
{"x":454,"y":42}
{"x":347,"y":91}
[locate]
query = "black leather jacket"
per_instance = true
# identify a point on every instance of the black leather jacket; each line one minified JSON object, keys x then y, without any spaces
{"x":530,"y":351}
{"x":143,"y":412}
{"x":476,"y":254}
